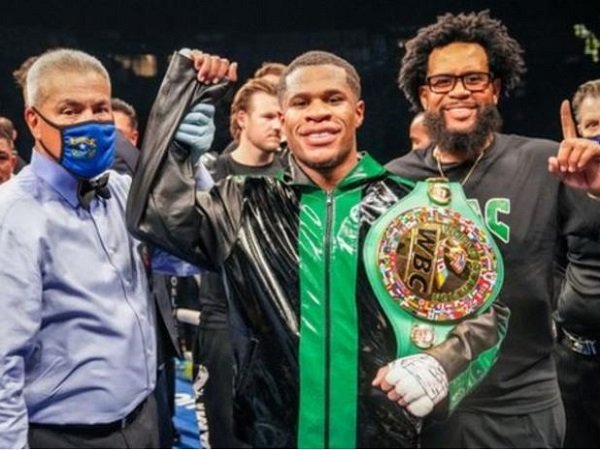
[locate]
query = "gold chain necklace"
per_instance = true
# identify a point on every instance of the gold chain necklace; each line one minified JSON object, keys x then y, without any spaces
{"x":467,"y":176}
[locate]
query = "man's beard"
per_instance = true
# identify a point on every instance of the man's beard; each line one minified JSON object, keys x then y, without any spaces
{"x":469,"y":142}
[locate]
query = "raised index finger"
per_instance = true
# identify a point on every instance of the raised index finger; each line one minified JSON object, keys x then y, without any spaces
{"x":569,"y":129}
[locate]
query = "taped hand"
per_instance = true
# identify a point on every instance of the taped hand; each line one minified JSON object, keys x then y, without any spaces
{"x":197,"y":130}
{"x":419,"y":381}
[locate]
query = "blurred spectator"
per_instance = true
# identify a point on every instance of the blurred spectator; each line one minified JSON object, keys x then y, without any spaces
{"x":586,"y":105}
{"x":7,"y":128}
{"x":419,"y":138}
{"x":8,"y":160}
{"x":578,"y":312}
{"x":270,"y":71}
{"x":126,"y":120}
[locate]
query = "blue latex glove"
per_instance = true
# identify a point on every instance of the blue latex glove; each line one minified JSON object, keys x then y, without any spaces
{"x":197,"y":130}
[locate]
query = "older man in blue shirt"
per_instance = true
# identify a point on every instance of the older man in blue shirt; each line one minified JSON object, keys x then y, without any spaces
{"x":77,"y":352}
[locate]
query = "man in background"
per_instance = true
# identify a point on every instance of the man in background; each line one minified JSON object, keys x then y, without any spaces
{"x":126,"y":120}
{"x":578,"y":311}
{"x":7,"y":128}
{"x":586,"y":105}
{"x":255,"y":127}
{"x":417,"y":132}
{"x":270,"y":71}
{"x":8,"y":160}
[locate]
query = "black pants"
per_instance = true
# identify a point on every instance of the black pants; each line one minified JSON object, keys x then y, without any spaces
{"x":542,"y":429}
{"x":579,"y":379}
{"x":164,"y":394}
{"x":142,"y":432}
{"x":213,"y":388}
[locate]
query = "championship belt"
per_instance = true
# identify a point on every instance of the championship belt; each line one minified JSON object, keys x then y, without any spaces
{"x":431,"y":262}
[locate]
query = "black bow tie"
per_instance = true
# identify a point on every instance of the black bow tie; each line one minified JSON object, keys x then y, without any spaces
{"x":88,"y":189}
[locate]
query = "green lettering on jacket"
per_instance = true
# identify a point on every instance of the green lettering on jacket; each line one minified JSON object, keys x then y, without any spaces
{"x":494,"y":207}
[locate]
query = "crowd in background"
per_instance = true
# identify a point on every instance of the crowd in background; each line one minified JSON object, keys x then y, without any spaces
{"x":454,"y":74}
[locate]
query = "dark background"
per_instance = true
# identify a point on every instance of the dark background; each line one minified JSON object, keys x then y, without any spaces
{"x":368,"y":34}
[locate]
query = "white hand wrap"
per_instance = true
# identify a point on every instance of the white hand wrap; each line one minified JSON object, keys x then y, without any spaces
{"x":420,"y":380}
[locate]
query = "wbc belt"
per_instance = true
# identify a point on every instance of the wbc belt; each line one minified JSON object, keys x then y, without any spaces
{"x":431,"y":262}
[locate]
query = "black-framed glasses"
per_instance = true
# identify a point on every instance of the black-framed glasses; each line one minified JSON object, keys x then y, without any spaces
{"x":472,"y":81}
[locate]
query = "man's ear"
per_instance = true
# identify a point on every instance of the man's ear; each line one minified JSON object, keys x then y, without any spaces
{"x":13,"y":162}
{"x":135,"y":134}
{"x":241,"y":118}
{"x":33,"y":122}
{"x":497,"y":84}
{"x":424,"y":97}
{"x":360,"y":112}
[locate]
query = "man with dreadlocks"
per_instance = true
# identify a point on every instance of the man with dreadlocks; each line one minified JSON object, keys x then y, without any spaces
{"x":454,"y":70}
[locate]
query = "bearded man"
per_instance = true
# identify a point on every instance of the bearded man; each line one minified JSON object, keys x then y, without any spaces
{"x":455,"y":70}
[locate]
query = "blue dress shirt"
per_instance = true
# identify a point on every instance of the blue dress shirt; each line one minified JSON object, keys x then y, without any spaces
{"x":77,"y":343}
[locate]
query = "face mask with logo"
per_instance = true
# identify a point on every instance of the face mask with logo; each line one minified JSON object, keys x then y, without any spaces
{"x":87,"y":148}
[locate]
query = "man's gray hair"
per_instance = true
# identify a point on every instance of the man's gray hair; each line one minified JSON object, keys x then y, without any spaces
{"x":62,"y":60}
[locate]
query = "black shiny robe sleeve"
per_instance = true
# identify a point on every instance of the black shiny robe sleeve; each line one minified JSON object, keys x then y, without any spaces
{"x":162,"y":197}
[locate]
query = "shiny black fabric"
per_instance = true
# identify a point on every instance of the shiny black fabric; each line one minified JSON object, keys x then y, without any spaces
{"x":165,"y":116}
{"x":264,"y":310}
{"x":249,"y":228}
